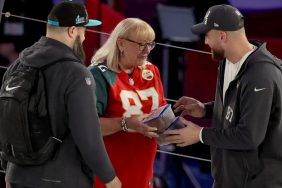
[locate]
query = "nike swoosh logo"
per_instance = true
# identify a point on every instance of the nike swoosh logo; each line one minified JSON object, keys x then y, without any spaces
{"x":11,"y":88}
{"x":256,"y":90}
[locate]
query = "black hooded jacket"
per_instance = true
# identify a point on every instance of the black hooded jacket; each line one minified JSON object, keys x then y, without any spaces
{"x":72,"y":107}
{"x":246,"y":135}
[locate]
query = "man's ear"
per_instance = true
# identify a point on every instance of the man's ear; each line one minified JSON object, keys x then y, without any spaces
{"x":223,"y":36}
{"x":72,"y":32}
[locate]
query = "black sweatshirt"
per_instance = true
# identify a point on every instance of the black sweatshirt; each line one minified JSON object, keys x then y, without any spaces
{"x":72,"y":108}
{"x":246,"y":135}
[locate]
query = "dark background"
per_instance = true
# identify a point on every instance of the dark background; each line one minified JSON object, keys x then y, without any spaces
{"x":189,"y":73}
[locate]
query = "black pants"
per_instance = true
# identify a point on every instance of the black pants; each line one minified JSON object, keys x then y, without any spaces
{"x":2,"y":179}
{"x":13,"y":185}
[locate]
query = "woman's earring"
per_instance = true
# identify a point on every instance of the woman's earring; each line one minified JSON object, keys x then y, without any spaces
{"x":121,"y":53}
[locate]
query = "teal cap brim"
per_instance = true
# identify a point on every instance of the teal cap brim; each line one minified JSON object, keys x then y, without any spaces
{"x":93,"y":23}
{"x":54,"y":23}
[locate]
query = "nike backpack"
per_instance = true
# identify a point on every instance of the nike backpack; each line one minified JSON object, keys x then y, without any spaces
{"x":26,"y":136}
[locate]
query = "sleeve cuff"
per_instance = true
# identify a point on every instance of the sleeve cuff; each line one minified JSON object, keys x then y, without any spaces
{"x":209,"y":110}
{"x":200,"y":135}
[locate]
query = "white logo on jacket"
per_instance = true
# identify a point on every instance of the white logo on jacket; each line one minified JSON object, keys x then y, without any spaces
{"x":11,"y":88}
{"x":260,"y":89}
{"x":229,"y":114}
{"x":88,"y":81}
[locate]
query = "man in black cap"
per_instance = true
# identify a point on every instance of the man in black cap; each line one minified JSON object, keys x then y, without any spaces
{"x":71,"y":104}
{"x":247,"y":111}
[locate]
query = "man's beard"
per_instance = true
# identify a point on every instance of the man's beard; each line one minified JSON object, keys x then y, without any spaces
{"x":217,"y":55}
{"x":78,"y":50}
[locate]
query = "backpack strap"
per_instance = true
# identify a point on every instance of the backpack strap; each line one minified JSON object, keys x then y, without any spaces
{"x":56,"y":136}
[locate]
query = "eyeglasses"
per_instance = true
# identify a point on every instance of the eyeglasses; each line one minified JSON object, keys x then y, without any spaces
{"x":142,"y":46}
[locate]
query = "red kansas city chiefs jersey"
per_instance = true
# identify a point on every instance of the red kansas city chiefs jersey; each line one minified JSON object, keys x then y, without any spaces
{"x":123,"y":95}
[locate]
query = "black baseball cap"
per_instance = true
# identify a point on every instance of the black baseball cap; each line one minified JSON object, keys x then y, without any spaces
{"x":68,"y":13}
{"x":220,"y":17}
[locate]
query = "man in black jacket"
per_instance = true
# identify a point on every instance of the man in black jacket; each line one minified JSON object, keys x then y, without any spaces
{"x":247,"y":111}
{"x":71,"y":105}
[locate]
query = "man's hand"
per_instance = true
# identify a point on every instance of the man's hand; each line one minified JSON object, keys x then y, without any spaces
{"x":8,"y":185}
{"x":115,"y":183}
{"x":185,"y":136}
{"x":190,"y":106}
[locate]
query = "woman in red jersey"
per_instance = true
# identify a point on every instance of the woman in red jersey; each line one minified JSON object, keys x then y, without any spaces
{"x":128,"y":87}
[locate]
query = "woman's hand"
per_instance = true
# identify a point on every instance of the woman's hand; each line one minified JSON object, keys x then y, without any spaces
{"x":115,"y":183}
{"x":135,"y":124}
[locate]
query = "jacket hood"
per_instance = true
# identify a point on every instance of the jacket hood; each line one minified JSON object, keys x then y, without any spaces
{"x":260,"y":55}
{"x":263,"y":55}
{"x":46,"y":51}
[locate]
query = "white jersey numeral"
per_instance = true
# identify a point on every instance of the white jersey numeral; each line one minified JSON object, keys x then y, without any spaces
{"x":135,"y":109}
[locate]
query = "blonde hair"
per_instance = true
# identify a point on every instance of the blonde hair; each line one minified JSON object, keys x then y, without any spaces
{"x":110,"y":52}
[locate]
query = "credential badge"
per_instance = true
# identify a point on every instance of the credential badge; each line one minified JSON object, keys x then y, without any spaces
{"x":147,"y":74}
